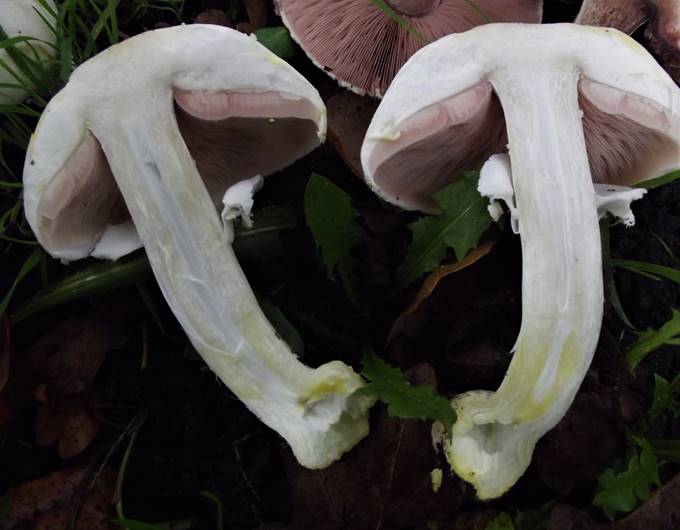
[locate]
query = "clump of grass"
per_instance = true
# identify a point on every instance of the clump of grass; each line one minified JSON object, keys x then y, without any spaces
{"x":81,"y":29}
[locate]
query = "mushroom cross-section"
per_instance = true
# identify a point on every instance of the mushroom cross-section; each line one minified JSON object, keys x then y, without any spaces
{"x":160,"y":126}
{"x":357,"y":43}
{"x":580,"y":106}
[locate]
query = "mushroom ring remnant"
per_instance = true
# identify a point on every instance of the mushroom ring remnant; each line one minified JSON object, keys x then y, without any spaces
{"x":160,"y":126}
{"x":580,"y":106}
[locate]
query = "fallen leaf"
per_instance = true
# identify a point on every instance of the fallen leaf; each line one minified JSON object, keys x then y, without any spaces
{"x":349,"y":116}
{"x":44,"y":494}
{"x":49,"y":503}
{"x":80,"y":428}
{"x":433,"y":279}
{"x":257,"y":16}
{"x":214,"y":16}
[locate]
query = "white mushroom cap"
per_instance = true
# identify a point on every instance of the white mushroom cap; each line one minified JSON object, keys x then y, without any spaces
{"x":253,"y":116}
{"x":24,"y":18}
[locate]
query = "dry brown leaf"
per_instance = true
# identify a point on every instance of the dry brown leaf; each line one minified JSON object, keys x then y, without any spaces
{"x":48,"y":424}
{"x":433,"y":279}
{"x":257,"y":16}
{"x":79,"y":430}
{"x":214,"y":16}
{"x":49,"y":502}
{"x":348,"y":118}
{"x":44,"y":494}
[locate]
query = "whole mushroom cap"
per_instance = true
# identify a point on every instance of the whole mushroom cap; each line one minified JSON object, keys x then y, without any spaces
{"x":361,"y":47}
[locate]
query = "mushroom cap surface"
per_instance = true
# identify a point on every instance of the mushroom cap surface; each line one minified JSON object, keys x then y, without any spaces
{"x":23,"y":18}
{"x":361,"y":47}
{"x":241,"y":111}
{"x":441,"y":115}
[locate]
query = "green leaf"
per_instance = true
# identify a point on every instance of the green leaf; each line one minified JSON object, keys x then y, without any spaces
{"x":502,"y":521}
{"x":30,"y":263}
{"x":647,"y":269}
{"x":463,"y":220}
{"x":659,"y":181}
{"x":650,"y":340}
{"x":666,"y":449}
{"x":283,"y":326}
{"x":277,"y":40}
{"x":661,"y":398}
{"x":332,"y":220}
{"x":623,"y":491}
{"x":403,"y":399}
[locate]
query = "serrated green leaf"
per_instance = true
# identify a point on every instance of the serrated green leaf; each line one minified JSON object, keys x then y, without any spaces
{"x":502,"y":521}
{"x":277,"y":39}
{"x":650,"y":340}
{"x":622,"y":491}
{"x":403,"y":399}
{"x":332,"y":220}
{"x":463,"y":220}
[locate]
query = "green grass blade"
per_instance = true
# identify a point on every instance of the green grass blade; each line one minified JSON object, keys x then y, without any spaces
{"x":30,"y":263}
{"x":644,"y":268}
{"x":388,"y":11}
{"x":659,"y":181}
{"x":652,"y":340}
{"x":89,"y":281}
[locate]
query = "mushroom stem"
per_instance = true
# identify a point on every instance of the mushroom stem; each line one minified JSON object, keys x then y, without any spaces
{"x":562,"y":297}
{"x":413,"y":8}
{"x":313,"y":409}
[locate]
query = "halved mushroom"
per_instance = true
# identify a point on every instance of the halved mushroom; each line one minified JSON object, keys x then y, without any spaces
{"x":580,"y":106}
{"x":165,"y":122}
{"x":355,"y":42}
{"x":29,"y":19}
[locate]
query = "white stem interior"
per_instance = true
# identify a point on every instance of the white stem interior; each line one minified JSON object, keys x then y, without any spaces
{"x":313,"y":409}
{"x":562,"y":298}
